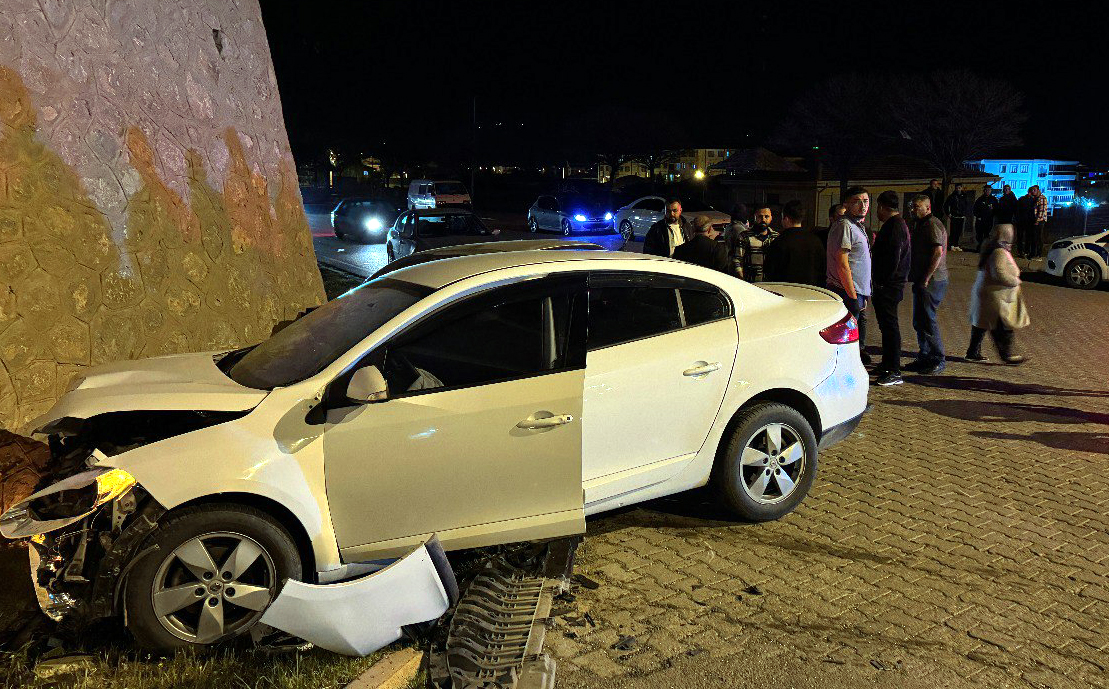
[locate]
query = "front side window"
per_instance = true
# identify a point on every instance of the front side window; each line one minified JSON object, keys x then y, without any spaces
{"x":513,"y":332}
{"x":308,"y":345}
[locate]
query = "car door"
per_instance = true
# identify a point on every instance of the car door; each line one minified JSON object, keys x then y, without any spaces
{"x":661,"y":352}
{"x":546,"y":217}
{"x":649,"y":212}
{"x":480,"y":438}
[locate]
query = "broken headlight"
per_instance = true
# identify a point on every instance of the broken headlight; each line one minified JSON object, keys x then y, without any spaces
{"x":65,"y":502}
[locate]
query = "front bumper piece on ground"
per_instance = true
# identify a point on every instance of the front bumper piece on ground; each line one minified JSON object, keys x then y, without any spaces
{"x":360,"y":616}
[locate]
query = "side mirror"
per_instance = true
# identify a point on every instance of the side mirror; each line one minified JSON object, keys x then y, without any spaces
{"x":367,"y":385}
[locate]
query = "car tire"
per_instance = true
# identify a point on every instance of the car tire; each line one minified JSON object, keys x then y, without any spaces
{"x":533,"y":225}
{"x":567,"y":229}
{"x":627,"y":231}
{"x":161,"y":581}
{"x":389,"y":253}
{"x":1082,"y":273}
{"x":339,"y":234}
{"x":782,"y":479}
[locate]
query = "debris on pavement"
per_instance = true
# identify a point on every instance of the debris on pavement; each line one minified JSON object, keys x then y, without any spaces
{"x":585,"y":582}
{"x":62,"y":665}
{"x":626,"y":643}
{"x":753,"y":590}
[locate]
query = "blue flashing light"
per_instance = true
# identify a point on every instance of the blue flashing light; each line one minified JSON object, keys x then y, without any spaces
{"x":608,"y":216}
{"x":579,"y":217}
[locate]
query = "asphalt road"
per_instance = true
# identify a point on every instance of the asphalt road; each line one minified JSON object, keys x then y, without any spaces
{"x":365,"y":259}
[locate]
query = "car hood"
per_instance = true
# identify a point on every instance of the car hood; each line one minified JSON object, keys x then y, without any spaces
{"x":176,"y":382}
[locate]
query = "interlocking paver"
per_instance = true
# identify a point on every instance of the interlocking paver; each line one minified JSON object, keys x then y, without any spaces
{"x":962,"y":532}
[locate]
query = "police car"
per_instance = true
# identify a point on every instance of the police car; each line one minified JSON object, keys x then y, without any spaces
{"x":1082,"y":261}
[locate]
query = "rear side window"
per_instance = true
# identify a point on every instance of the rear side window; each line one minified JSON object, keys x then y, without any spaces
{"x":656,"y":205}
{"x":624,"y":312}
{"x":704,"y":305}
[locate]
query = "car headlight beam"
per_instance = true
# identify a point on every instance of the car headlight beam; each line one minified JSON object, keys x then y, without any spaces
{"x":373,"y":224}
{"x":579,"y":217}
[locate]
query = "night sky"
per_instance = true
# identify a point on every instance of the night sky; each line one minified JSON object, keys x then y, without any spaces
{"x":404,"y":74}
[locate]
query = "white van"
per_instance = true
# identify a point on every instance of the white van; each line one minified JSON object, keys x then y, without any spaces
{"x":429,"y":193}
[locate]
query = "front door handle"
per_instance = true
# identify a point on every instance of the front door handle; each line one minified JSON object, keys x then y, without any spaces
{"x":546,"y":422}
{"x":701,"y":369}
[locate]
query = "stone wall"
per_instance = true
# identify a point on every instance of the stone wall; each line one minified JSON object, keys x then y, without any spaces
{"x":148,"y":198}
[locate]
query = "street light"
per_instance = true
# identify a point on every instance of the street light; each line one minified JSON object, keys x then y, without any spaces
{"x":699,"y":175}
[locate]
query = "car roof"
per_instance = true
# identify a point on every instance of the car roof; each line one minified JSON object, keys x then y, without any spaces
{"x":438,"y":274}
{"x":426,"y":212}
{"x":485,"y":248}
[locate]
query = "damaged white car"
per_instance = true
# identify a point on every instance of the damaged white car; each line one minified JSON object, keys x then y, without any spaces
{"x":486,"y":399}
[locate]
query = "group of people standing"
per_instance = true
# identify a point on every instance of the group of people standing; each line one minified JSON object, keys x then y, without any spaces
{"x":864,"y":268}
{"x":1027,"y":215}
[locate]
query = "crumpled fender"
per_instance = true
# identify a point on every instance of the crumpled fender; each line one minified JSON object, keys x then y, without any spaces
{"x":358,"y":617}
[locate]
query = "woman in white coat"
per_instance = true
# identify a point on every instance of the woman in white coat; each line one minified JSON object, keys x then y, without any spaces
{"x":996,"y":302}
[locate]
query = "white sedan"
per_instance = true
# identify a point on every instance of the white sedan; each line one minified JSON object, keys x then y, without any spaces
{"x":634,"y":219}
{"x":485,"y":399}
{"x":1083,"y":261}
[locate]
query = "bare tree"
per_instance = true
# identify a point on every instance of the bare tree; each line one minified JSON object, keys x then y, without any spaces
{"x":841,"y":120}
{"x":951,"y":117}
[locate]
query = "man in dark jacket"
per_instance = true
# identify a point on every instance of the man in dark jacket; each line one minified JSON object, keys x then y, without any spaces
{"x":670,"y":232}
{"x":889,"y":272}
{"x":1023,"y":221}
{"x":934,"y":192}
{"x":956,"y":210}
{"x":703,"y":249}
{"x":1006,"y":206}
{"x":984,"y":208}
{"x":797,"y":255}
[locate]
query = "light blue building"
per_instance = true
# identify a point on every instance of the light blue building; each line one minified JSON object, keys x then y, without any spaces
{"x":1056,"y":178}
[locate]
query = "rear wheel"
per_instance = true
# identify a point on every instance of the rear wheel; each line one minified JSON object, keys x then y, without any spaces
{"x":769,"y":463}
{"x":1082,"y":273}
{"x":215,"y":571}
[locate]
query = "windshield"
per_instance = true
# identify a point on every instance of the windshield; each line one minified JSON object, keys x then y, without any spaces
{"x":453,"y":224}
{"x":308,"y":345}
{"x":449,"y":188}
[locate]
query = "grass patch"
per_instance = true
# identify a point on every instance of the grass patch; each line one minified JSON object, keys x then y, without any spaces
{"x":225,"y":669}
{"x":336,"y":282}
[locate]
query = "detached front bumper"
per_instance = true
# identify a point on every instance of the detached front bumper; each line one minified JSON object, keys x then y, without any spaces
{"x":358,"y":617}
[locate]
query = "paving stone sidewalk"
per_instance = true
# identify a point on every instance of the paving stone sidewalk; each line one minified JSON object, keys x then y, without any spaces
{"x":958,"y":538}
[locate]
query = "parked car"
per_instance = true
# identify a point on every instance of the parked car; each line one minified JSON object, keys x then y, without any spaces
{"x":432,"y":229}
{"x":571,"y":213}
{"x":429,"y":193}
{"x":485,"y":248}
{"x":634,"y":219}
{"x":365,"y":220}
{"x":487,"y":399}
{"x":1082,"y":261}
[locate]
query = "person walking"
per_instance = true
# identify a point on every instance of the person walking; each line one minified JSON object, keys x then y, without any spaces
{"x":891,"y":262}
{"x":733,"y":232}
{"x":984,"y":208}
{"x":928,"y":273}
{"x":996,"y":302}
{"x":668,"y":233}
{"x":1006,"y":206}
{"x":751,"y":250}
{"x":796,"y":255}
{"x":703,"y":249}
{"x":955,"y":208}
{"x":1035,"y":245}
{"x":848,"y":260}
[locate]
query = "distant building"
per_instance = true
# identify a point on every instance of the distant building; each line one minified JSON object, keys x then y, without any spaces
{"x":1056,"y":178}
{"x":673,"y":165}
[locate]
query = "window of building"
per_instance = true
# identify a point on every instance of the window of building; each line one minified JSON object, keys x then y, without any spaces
{"x":1024,"y":169}
{"x":1004,"y":168}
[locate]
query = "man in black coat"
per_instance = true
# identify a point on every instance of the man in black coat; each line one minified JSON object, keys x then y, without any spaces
{"x":1006,"y":207}
{"x":669,"y":233}
{"x":797,"y":255}
{"x":703,"y":249}
{"x":889,"y":272}
{"x":984,"y":208}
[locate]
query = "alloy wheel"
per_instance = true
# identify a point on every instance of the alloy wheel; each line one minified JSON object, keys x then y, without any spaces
{"x":772,"y":463}
{"x":1082,"y":274}
{"x":200,"y":601}
{"x":566,"y":229}
{"x":533,"y":226}
{"x":627,"y":231}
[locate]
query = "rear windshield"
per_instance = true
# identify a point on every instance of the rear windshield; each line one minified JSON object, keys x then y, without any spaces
{"x":309,"y":344}
{"x":449,"y":188}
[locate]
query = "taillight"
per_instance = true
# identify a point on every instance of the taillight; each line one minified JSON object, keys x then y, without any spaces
{"x":843,"y":331}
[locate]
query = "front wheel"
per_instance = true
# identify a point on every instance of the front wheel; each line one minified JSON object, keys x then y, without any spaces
{"x":389,"y":253}
{"x":626,"y":231}
{"x":533,"y":225}
{"x":1082,"y":273}
{"x":769,"y":464}
{"x":567,"y":230}
{"x":215,"y":571}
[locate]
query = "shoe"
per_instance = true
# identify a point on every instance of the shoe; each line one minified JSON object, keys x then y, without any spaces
{"x":976,"y":358}
{"x":917,"y":366}
{"x":1015,"y":360}
{"x":955,"y":249}
{"x":890,"y":378}
{"x":935,"y":368}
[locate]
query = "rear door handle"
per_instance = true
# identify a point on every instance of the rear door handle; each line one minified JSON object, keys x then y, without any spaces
{"x":545,"y":422}
{"x":702,"y":369}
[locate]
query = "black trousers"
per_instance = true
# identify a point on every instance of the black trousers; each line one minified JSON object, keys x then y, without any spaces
{"x":886,"y":299}
{"x":1020,"y":241}
{"x":982,"y":227}
{"x":1002,"y":339}
{"x":1035,"y":241}
{"x":957,"y":224}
